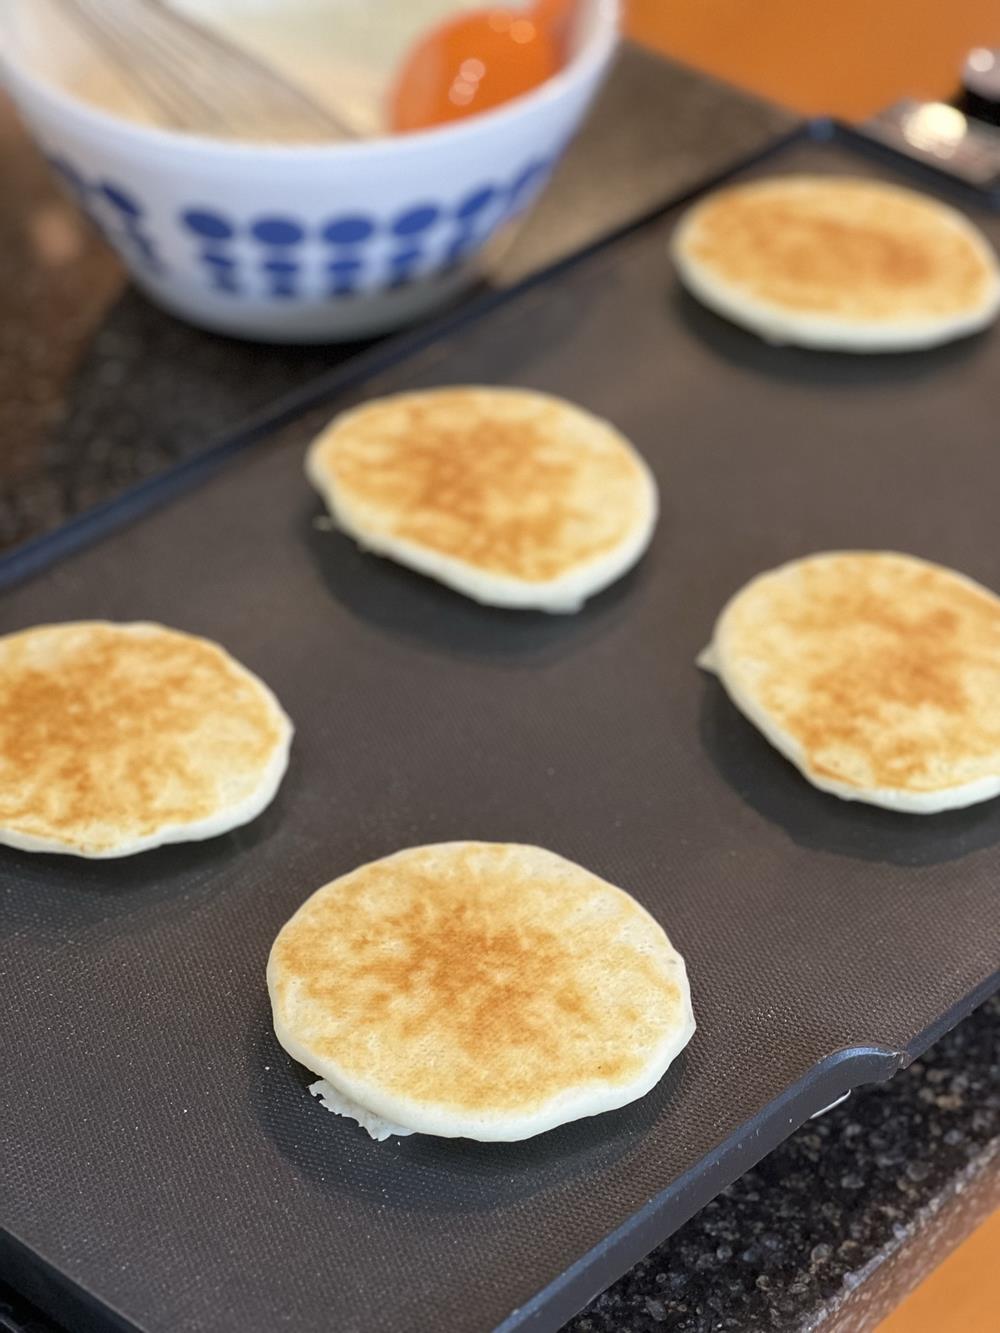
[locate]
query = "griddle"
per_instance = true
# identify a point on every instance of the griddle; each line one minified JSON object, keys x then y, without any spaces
{"x":164,"y":1168}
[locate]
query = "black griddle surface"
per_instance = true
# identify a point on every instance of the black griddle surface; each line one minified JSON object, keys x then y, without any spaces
{"x":161,"y":1157}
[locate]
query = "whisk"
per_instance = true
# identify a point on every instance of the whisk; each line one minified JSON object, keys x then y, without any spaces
{"x":194,"y":80}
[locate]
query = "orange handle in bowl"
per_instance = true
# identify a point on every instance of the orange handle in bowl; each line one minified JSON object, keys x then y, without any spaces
{"x":479,"y":60}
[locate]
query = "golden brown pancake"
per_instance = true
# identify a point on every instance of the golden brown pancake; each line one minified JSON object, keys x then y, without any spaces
{"x":484,"y":990}
{"x":117,"y":738}
{"x":513,"y":497}
{"x":833,"y":261}
{"x":877,"y":674}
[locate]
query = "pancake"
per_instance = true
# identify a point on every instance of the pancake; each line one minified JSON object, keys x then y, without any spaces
{"x":876,"y":674}
{"x":480,"y":990}
{"x":117,"y":738}
{"x":511,"y":497}
{"x":837,"y":262}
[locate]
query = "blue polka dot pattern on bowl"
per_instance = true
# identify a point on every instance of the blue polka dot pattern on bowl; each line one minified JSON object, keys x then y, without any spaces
{"x":274,"y":255}
{"x":116,"y":213}
{"x":349,"y":230}
{"x":527,"y":184}
{"x":124,"y":203}
{"x":474,"y":203}
{"x":283,"y":274}
{"x":278,"y":231}
{"x":415,"y":220}
{"x":212,"y":226}
{"x":343,"y":276}
{"x":404,"y":266}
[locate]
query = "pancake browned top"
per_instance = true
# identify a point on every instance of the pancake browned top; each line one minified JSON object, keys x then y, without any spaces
{"x":883,"y":670}
{"x":506,"y":481}
{"x":858,"y":250}
{"x":475,"y":980}
{"x":111,"y":734}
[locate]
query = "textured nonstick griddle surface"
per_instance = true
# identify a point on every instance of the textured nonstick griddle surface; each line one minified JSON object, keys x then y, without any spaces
{"x":159,"y":1148}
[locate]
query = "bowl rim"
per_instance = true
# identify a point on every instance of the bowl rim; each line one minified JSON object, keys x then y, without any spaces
{"x":595,"y":52}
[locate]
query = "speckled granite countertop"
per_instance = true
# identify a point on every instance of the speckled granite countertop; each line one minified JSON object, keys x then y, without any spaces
{"x":835,"y":1226}
{"x":98,"y":390}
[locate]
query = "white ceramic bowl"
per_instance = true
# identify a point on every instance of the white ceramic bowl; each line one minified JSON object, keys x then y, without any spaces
{"x":314,"y":242}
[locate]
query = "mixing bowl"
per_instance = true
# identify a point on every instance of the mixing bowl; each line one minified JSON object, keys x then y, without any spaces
{"x":312,"y":242}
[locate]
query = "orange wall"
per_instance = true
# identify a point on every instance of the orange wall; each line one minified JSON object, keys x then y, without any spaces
{"x":843,"y":57}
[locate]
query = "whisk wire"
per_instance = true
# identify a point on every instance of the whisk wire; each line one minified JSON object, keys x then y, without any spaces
{"x":188,"y":112}
{"x":195,"y":79}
